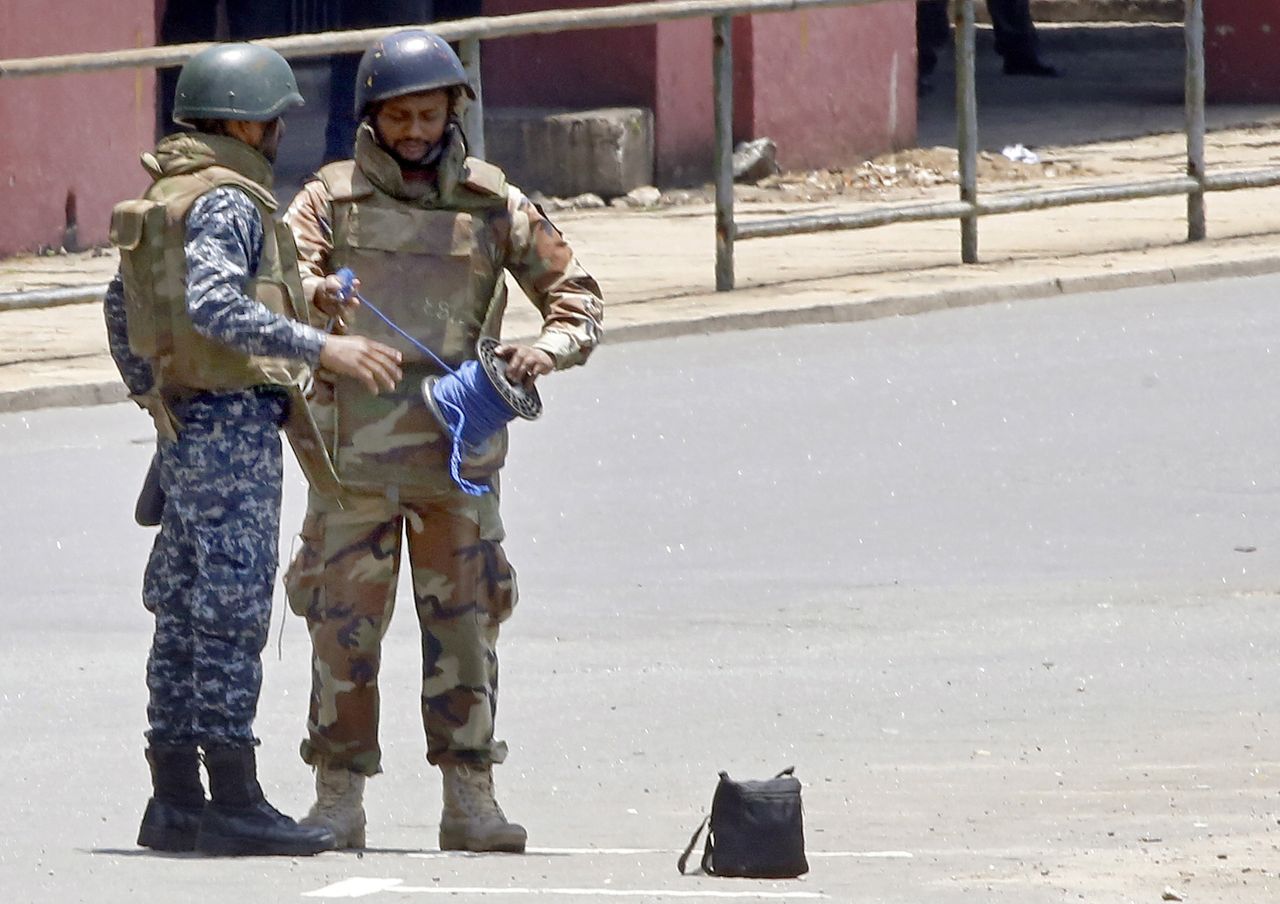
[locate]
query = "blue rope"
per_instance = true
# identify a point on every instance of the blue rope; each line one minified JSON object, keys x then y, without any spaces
{"x":466,"y":385}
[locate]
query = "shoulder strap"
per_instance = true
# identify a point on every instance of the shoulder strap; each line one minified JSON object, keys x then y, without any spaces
{"x":706,"y":853}
{"x":484,"y":178}
{"x":218,"y":176}
{"x":345,"y":181}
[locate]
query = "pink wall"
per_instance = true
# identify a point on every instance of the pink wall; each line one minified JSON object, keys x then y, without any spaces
{"x":828,"y":86}
{"x":1242,"y":48}
{"x":683,"y":108}
{"x":74,"y":133}
{"x":831,"y":86}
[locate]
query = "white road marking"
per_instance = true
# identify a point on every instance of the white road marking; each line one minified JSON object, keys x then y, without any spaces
{"x":353,"y":888}
{"x":361,"y":887}
{"x":629,"y":852}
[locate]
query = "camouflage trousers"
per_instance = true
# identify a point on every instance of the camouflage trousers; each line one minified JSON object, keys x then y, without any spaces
{"x":212,"y":568}
{"x":343,"y":581}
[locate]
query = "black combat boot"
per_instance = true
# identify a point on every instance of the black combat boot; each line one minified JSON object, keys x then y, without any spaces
{"x":177,"y":800}
{"x":238,"y":820}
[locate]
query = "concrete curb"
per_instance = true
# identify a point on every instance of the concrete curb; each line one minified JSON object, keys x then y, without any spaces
{"x":1104,"y":10}
{"x":112,"y":391}
{"x":71,"y":395}
{"x":51,"y":298}
{"x":960,"y":297}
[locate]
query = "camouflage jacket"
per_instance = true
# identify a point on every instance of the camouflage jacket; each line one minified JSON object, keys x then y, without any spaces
{"x":516,"y":237}
{"x":432,"y":253}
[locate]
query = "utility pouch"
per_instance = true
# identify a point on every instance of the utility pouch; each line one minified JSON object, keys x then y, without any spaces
{"x":137,"y":229}
{"x":150,"y":505}
{"x":755,"y":830}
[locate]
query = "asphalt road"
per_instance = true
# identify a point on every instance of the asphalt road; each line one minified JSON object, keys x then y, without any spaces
{"x":1000,"y":582}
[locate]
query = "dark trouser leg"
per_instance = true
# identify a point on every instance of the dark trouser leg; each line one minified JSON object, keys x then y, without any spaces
{"x":340,"y":130}
{"x":166,"y":589}
{"x":213,"y":574}
{"x":933,"y":28}
{"x":183,"y":22}
{"x":1015,"y":31}
{"x":177,"y":802}
{"x":223,"y":508}
{"x":250,"y":19}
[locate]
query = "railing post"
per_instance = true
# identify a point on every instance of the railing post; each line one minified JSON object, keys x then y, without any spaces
{"x":967,"y":125}
{"x":1196,"y":228}
{"x":722,"y":66}
{"x":473,"y":116}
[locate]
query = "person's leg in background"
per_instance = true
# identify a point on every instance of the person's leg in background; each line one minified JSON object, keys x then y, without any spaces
{"x":193,"y":21}
{"x":933,"y":29}
{"x":1016,"y":38}
{"x":181,"y":22}
{"x":248,"y":20}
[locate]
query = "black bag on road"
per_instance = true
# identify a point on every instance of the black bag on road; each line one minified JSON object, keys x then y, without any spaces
{"x":756,"y":829}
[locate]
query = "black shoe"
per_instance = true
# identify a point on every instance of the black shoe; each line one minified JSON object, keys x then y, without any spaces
{"x":261,"y":830}
{"x":167,"y":826}
{"x":1029,"y":66}
{"x":173,"y":813}
{"x":239,"y":822}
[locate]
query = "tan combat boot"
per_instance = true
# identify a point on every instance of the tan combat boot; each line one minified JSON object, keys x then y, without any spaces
{"x":472,"y":819}
{"x":339,"y":805}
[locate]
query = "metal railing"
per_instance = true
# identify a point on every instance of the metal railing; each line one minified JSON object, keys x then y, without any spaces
{"x":970,"y":207}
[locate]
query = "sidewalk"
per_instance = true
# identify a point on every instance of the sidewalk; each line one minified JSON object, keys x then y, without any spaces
{"x":656,"y":266}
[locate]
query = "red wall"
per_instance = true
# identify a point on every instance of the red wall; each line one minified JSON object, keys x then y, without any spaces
{"x":829,"y":87}
{"x":611,"y":67}
{"x":71,"y":133}
{"x":1242,"y":48}
{"x":683,"y":106}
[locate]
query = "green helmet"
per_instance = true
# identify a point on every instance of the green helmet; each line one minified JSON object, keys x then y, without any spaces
{"x":235,"y":81}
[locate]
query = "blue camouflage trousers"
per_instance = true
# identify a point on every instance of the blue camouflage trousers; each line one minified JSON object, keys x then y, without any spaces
{"x":212,"y":569}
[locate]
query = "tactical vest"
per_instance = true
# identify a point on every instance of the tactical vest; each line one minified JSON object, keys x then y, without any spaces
{"x":151,"y":235}
{"x":431,"y":272}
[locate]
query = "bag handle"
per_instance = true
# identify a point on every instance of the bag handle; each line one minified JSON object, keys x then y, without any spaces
{"x":684,"y":858}
{"x":709,"y":850}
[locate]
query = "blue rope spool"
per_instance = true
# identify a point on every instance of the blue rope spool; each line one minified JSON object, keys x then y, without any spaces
{"x":471,"y":403}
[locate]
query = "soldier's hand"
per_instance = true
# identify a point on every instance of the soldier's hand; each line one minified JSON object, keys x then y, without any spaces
{"x":331,"y":300}
{"x":375,"y":365}
{"x":525,"y":363}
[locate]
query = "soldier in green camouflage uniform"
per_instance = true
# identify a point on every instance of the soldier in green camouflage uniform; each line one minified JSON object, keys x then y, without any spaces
{"x":430,"y":232}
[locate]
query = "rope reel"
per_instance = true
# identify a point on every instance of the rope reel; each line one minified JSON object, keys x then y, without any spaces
{"x":471,"y":403}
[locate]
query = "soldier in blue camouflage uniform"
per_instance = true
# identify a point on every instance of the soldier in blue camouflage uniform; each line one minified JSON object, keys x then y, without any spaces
{"x":207,"y":324}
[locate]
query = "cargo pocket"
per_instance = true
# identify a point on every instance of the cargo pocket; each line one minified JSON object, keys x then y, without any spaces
{"x":498,"y":588}
{"x":304,"y":579}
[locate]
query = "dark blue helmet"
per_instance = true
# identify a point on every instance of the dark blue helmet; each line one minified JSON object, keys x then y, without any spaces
{"x":406,"y":62}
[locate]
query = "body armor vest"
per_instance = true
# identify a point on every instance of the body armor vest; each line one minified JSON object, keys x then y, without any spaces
{"x":151,"y":235}
{"x":431,"y":271}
